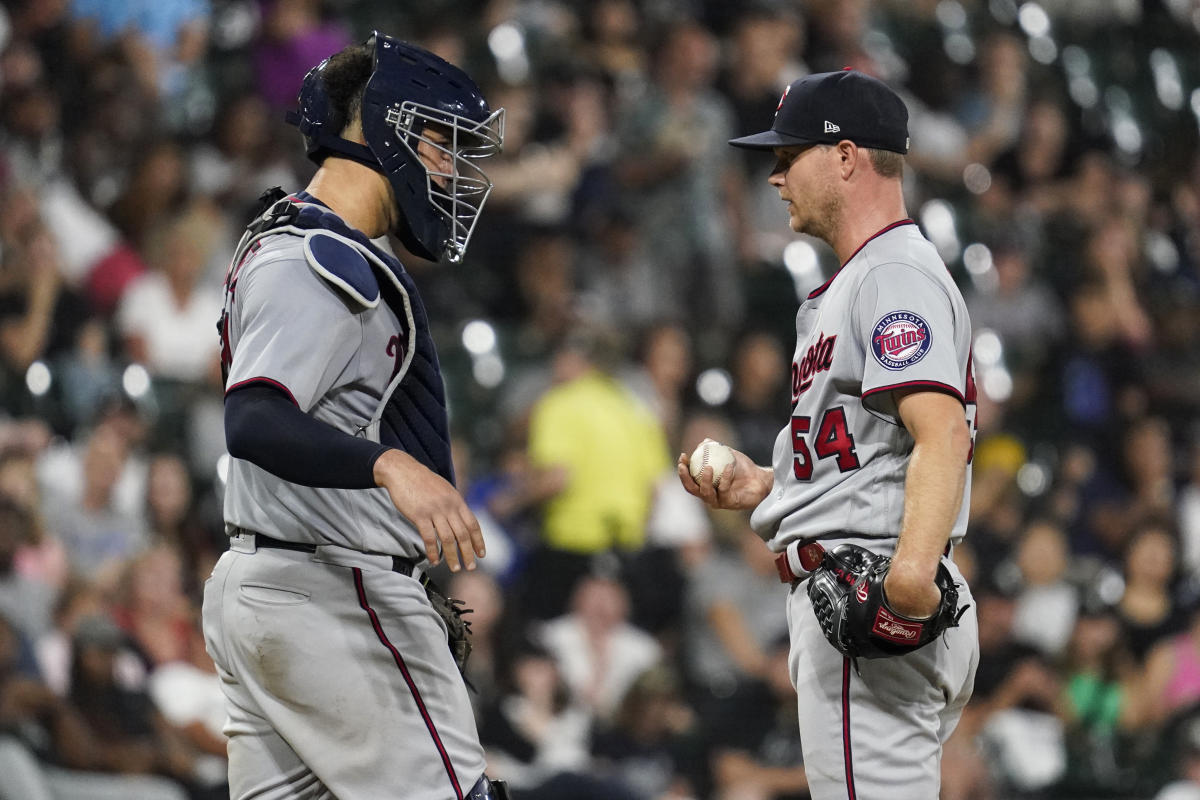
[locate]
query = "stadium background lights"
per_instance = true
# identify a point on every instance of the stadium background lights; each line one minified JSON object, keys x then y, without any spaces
{"x":714,"y":386}
{"x":1033,"y":479}
{"x":977,"y":178}
{"x":38,"y":378}
{"x":135,"y":380}
{"x":507,"y":43}
{"x":488,"y":371}
{"x":1168,"y":83}
{"x":977,"y":259}
{"x":991,"y":375}
{"x":479,"y":337}
{"x":479,"y":340}
{"x":1080,"y":84}
{"x":802,"y":263}
{"x":956,"y":38}
{"x":1035,"y":22}
{"x":1125,"y":130}
{"x":937,"y":218}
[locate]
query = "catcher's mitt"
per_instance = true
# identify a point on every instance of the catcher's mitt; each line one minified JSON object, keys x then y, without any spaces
{"x":846,"y":591}
{"x":458,"y":629}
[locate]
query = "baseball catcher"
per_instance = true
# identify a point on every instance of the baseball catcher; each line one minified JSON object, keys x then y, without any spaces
{"x":341,"y":490}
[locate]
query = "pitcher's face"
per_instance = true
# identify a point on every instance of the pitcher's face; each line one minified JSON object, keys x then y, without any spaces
{"x":805,"y":177}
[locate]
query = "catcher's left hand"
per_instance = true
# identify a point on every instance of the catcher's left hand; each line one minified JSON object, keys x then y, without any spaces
{"x":846,"y":590}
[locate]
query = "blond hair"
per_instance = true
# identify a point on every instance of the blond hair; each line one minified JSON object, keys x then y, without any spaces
{"x":887,"y":163}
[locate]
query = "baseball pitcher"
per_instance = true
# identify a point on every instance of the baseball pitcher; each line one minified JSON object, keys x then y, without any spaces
{"x":868,"y":491}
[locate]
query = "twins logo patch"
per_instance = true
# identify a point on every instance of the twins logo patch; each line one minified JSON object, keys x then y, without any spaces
{"x":900,"y":340}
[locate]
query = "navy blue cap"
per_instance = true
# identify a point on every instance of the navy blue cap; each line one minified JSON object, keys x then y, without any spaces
{"x":827,"y":107}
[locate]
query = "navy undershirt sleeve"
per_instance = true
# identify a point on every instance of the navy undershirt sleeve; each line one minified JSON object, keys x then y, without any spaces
{"x":263,"y":426}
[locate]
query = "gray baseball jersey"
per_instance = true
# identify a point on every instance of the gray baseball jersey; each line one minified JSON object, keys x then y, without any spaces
{"x":291,"y":326}
{"x":336,"y":667}
{"x":890,"y":318}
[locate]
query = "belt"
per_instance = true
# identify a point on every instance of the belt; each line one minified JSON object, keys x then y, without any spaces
{"x":400,"y":564}
{"x":798,"y":561}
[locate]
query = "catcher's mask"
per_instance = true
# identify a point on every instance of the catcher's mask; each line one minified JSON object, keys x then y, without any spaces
{"x":414,"y":96}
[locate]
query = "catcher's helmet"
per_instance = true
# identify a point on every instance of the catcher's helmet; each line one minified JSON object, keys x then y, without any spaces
{"x":411,"y":92}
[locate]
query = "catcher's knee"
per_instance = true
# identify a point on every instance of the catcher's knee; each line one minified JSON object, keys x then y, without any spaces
{"x":485,"y":789}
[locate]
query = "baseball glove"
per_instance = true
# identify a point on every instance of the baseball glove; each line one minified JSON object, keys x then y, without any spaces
{"x":847,"y":596}
{"x":458,"y":629}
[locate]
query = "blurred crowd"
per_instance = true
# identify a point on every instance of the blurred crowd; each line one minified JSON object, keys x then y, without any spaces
{"x":630,"y":290}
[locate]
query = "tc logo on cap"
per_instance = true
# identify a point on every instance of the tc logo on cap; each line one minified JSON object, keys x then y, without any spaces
{"x":782,"y":97}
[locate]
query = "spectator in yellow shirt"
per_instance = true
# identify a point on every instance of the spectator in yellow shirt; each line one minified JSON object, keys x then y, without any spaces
{"x":613,"y":449}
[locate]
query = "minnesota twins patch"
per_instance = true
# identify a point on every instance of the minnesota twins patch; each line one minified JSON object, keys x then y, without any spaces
{"x":900,"y":340}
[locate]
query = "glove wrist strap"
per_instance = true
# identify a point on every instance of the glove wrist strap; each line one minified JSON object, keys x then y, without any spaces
{"x":799,"y":560}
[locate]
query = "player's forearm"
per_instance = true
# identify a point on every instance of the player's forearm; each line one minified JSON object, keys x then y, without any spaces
{"x":932,"y":496}
{"x":265,"y":428}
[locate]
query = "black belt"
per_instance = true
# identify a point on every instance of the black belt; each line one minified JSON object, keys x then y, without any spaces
{"x":405,"y":566}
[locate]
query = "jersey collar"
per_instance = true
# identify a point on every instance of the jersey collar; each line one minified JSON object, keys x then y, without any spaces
{"x":820,"y":289}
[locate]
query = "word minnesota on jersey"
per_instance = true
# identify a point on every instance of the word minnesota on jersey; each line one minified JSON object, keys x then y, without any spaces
{"x":819,"y":358}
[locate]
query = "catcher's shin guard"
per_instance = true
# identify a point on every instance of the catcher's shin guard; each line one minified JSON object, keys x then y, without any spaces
{"x":485,"y":789}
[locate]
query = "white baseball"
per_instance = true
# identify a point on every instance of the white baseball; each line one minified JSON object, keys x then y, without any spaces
{"x":711,"y":454}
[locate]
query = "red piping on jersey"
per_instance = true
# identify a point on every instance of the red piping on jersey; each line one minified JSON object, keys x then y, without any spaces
{"x":847,"y":754}
{"x":937,"y":386}
{"x":231,"y":278}
{"x":825,"y":285}
{"x":226,"y":351}
{"x":269,"y":382}
{"x":412,"y":686}
{"x":972,"y":392}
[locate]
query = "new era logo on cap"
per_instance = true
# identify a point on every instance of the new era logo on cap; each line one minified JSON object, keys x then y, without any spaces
{"x":868,"y":113}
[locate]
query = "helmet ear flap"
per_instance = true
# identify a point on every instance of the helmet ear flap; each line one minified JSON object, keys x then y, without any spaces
{"x":314,"y":111}
{"x":321,"y":125}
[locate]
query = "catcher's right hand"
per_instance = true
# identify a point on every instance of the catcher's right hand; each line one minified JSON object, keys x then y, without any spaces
{"x":846,"y":591}
{"x":435,"y":508}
